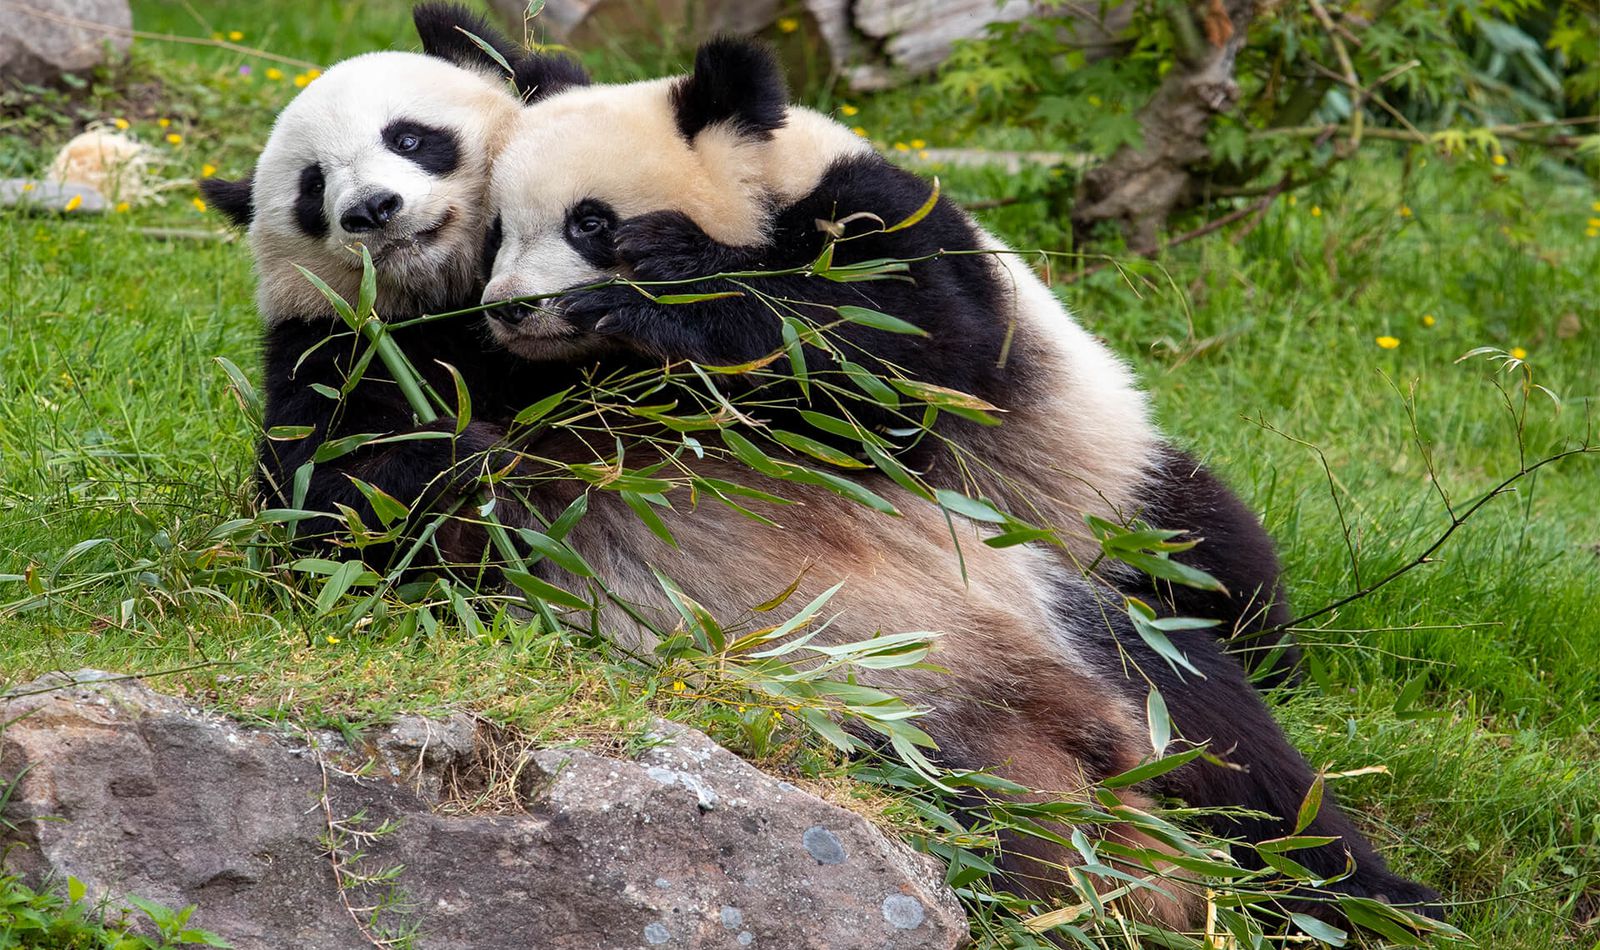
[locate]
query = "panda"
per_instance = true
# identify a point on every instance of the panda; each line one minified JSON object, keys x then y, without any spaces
{"x":678,"y":178}
{"x":390,"y":151}
{"x":673,"y":180}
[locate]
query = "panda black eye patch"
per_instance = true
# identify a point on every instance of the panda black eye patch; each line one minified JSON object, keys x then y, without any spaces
{"x":308,"y":211}
{"x":435,"y":150}
{"x":590,"y":230}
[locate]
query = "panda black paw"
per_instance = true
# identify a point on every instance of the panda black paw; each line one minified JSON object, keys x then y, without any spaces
{"x":584,"y":309}
{"x":668,"y":245}
{"x":655,"y":331}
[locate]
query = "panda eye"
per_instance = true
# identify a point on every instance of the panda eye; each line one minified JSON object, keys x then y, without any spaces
{"x":311,"y":181}
{"x":590,"y":222}
{"x":406,"y":142}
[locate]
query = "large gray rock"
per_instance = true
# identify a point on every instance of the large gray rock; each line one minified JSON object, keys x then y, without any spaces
{"x":687,"y":846}
{"x":41,"y":39}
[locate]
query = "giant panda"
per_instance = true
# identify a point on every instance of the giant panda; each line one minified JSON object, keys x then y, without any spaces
{"x":678,"y":178}
{"x":390,"y":151}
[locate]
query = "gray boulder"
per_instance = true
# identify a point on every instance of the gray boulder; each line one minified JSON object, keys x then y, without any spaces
{"x":41,"y":39}
{"x":685,"y":846}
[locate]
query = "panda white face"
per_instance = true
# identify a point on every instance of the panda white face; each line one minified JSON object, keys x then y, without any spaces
{"x":582,"y":163}
{"x":390,"y":151}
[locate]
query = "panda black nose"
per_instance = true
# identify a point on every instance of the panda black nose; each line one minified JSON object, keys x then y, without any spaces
{"x":372,"y":214}
{"x":510,"y":314}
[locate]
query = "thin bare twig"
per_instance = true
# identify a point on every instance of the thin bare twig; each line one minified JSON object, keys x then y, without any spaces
{"x":1426,"y":557}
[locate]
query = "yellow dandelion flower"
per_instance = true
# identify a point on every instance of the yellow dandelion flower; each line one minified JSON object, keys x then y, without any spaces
{"x":122,"y":206}
{"x":1316,"y":211}
{"x":174,"y":138}
{"x":121,"y":124}
{"x":27,"y":186}
{"x":847,"y":109}
{"x":207,"y":170}
{"x":1594,"y":222}
{"x":235,"y":35}
{"x":1498,"y":160}
{"x":1388,"y":342}
{"x":1095,"y":101}
{"x":312,"y":73}
{"x":860,"y":131}
{"x":918,"y":144}
{"x":1293,"y":200}
{"x":332,"y":638}
{"x":1592,"y":232}
{"x":73,"y":203}
{"x":274,"y":73}
{"x":788,"y":24}
{"x":901,"y":147}
{"x":743,"y":708}
{"x":1518,"y":353}
{"x":199,"y":204}
{"x":1405,"y":211}
{"x":679,"y":686}
{"x":163,"y":122}
{"x":1595,"y":206}
{"x":923,"y":154}
{"x":776,"y":715}
{"x":1427,"y":320}
{"x":300,"y":81}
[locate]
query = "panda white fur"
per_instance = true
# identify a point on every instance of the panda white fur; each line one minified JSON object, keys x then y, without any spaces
{"x":679,"y":178}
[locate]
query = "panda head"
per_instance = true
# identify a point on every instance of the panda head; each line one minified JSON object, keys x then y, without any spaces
{"x":389,"y":151}
{"x":720,"y":145}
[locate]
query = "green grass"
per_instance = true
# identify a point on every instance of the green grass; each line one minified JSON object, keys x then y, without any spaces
{"x":116,"y":424}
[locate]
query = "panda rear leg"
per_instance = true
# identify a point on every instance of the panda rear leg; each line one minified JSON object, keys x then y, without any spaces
{"x":1236,"y":549}
{"x":1268,"y":774}
{"x":1029,"y":752}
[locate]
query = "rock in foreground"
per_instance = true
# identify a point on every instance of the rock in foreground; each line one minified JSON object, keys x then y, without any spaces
{"x":687,"y":846}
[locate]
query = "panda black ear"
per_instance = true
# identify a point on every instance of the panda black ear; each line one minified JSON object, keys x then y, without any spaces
{"x":443,"y":28}
{"x":539,"y":75}
{"x":735,"y":81}
{"x":232,"y":198}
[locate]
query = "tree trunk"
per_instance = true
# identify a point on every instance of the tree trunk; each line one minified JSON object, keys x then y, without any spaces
{"x":1140,"y":187}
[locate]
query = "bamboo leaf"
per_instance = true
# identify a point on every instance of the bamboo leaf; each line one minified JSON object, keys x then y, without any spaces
{"x":463,"y":398}
{"x":975,"y":508}
{"x":540,"y":409}
{"x":339,"y":304}
{"x":878,"y":320}
{"x":1310,"y":806}
{"x":559,"y":553}
{"x":817,"y":450}
{"x":1160,"y":723}
{"x":648,"y":515}
{"x":537,"y":589}
{"x":922,"y":212}
{"x":388,"y":508}
{"x":490,"y":51}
